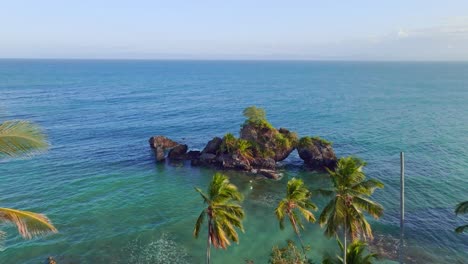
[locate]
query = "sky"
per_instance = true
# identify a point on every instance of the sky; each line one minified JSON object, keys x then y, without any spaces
{"x":240,"y":29}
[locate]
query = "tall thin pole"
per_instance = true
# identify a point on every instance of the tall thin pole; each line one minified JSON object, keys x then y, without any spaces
{"x":402,"y":204}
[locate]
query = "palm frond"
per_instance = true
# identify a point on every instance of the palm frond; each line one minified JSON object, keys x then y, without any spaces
{"x":461,"y":229}
{"x":223,"y":211}
{"x":368,"y":187}
{"x":206,"y":199}
{"x":372,"y":208}
{"x":329,"y":208}
{"x":308,"y":215}
{"x":29,"y":224}
{"x":21,"y":137}
{"x":280,"y":212}
{"x":198,"y":224}
{"x":221,"y":237}
{"x":462,"y":208}
{"x":322,"y":192}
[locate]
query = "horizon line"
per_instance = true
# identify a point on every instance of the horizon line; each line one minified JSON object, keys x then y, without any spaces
{"x":231,"y":59}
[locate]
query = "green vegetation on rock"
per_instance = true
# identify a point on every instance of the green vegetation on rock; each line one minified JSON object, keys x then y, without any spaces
{"x":233,"y":145}
{"x":309,"y":141}
{"x":256,"y":116}
{"x":289,"y":254}
{"x":229,"y":143}
{"x":243,"y":148}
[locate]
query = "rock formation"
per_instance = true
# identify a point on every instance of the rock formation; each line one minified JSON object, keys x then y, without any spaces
{"x":160,"y":144}
{"x":257,"y":149}
{"x":317,"y":153}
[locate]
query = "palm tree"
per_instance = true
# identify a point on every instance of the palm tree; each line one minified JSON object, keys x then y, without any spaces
{"x":462,"y":208}
{"x":23,"y":138}
{"x":297,"y":200}
{"x":350,"y":199}
{"x":224,"y":213}
{"x":355,"y":254}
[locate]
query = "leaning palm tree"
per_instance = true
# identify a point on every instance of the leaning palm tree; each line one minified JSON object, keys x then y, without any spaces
{"x":350,"y":200}
{"x":23,"y":138}
{"x":462,"y":208}
{"x":297,"y":200}
{"x":223,"y":211}
{"x":355,"y":254}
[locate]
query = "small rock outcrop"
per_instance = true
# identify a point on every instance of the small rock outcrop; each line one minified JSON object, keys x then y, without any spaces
{"x":51,"y":260}
{"x":178,"y":152}
{"x":317,"y":153}
{"x":269,"y":142}
{"x":270,"y":174}
{"x":192,"y":155}
{"x":160,"y":144}
{"x":162,"y":141}
{"x":213,"y":146}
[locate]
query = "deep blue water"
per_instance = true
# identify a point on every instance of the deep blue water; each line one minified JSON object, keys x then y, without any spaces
{"x":100,"y":186}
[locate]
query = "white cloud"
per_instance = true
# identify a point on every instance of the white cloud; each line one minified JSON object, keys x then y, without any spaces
{"x":402,"y":33}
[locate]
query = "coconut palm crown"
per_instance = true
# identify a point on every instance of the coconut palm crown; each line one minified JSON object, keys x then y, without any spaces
{"x":297,"y":202}
{"x":223,"y":213}
{"x":23,"y":138}
{"x":350,"y":199}
{"x":356,"y":253}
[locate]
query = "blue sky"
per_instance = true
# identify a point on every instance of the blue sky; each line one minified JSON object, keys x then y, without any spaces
{"x":241,"y":29}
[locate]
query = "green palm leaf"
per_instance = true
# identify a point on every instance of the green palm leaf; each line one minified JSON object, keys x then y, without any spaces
{"x":198,"y":224}
{"x":345,"y":211}
{"x":462,"y":208}
{"x":461,"y":229}
{"x":297,"y":202}
{"x":29,"y":224}
{"x":356,"y":253}
{"x":223,"y":212}
{"x":20,"y":137}
{"x":372,"y":208}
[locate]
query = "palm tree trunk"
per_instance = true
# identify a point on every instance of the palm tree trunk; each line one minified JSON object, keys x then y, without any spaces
{"x":294,"y":224}
{"x":208,"y":244}
{"x":345,"y":242}
{"x":302,"y":244}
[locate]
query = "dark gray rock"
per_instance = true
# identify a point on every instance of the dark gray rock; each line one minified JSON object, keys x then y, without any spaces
{"x":178,"y":152}
{"x":264,"y":163}
{"x":160,"y":155}
{"x":208,"y":157}
{"x":271,"y":174}
{"x":213,"y":146}
{"x":266,"y":139}
{"x":233,"y":161}
{"x":318,"y":155}
{"x":192,"y":155}
{"x":162,"y":142}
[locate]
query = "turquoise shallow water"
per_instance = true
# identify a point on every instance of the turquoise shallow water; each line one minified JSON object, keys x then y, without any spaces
{"x":112,"y":204}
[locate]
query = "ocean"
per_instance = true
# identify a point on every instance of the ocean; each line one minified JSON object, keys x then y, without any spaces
{"x":100,"y":185}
